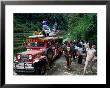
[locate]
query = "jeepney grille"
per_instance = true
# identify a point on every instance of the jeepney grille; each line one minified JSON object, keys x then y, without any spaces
{"x":24,"y":57}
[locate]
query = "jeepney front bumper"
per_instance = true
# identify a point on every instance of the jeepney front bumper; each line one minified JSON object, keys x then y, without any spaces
{"x":23,"y":67}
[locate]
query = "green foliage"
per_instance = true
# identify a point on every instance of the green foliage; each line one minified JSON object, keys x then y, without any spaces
{"x":19,"y":49}
{"x":82,"y":27}
{"x":78,"y":26}
{"x":25,"y":23}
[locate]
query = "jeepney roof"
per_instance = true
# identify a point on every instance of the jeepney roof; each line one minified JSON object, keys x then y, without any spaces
{"x":47,"y":38}
{"x":33,"y":52}
{"x":36,"y":36}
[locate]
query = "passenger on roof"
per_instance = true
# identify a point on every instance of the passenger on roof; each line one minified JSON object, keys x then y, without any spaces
{"x":45,"y":27}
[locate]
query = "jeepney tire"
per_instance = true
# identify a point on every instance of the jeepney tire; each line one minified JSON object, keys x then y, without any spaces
{"x":36,"y":69}
{"x":40,"y":68}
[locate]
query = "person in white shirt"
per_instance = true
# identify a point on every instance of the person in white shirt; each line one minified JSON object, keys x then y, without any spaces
{"x":90,"y":56}
{"x":86,"y":45}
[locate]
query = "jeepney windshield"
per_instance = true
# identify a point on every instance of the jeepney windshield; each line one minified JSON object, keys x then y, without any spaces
{"x":36,"y":44}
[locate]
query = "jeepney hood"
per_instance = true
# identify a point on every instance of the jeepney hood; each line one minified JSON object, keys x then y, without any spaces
{"x":32,"y":52}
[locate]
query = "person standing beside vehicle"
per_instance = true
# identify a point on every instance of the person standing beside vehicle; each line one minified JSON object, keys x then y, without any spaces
{"x":80,"y":54}
{"x":91,"y":52}
{"x":73,"y":51}
{"x":67,"y":54}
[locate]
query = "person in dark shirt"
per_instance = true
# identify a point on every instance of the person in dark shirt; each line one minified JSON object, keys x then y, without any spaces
{"x":80,"y":54}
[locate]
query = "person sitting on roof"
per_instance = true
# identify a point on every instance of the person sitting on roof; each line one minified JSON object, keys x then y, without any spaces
{"x":45,"y":27}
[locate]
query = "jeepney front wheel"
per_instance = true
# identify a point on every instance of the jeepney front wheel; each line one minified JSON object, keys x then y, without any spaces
{"x":40,"y":68}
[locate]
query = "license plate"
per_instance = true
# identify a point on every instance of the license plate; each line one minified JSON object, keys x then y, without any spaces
{"x":24,"y":58}
{"x":20,"y":65}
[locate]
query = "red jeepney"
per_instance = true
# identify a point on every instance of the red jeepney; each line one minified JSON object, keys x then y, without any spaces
{"x":41,"y":51}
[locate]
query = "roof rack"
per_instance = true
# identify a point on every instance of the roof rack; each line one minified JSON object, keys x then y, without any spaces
{"x":36,"y":36}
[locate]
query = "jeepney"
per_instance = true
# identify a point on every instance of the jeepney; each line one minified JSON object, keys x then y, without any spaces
{"x":41,"y":51}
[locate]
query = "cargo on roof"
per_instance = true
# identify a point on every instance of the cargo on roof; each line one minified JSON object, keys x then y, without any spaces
{"x":36,"y":36}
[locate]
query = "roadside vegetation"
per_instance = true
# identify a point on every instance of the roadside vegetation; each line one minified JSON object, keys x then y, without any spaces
{"x":76,"y":26}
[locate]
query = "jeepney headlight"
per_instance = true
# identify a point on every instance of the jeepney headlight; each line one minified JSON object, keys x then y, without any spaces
{"x":18,"y":56}
{"x":30,"y":56}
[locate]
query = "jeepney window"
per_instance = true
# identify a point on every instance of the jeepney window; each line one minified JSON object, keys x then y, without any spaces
{"x":29,"y":44}
{"x":40,"y":43}
{"x":36,"y":44}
